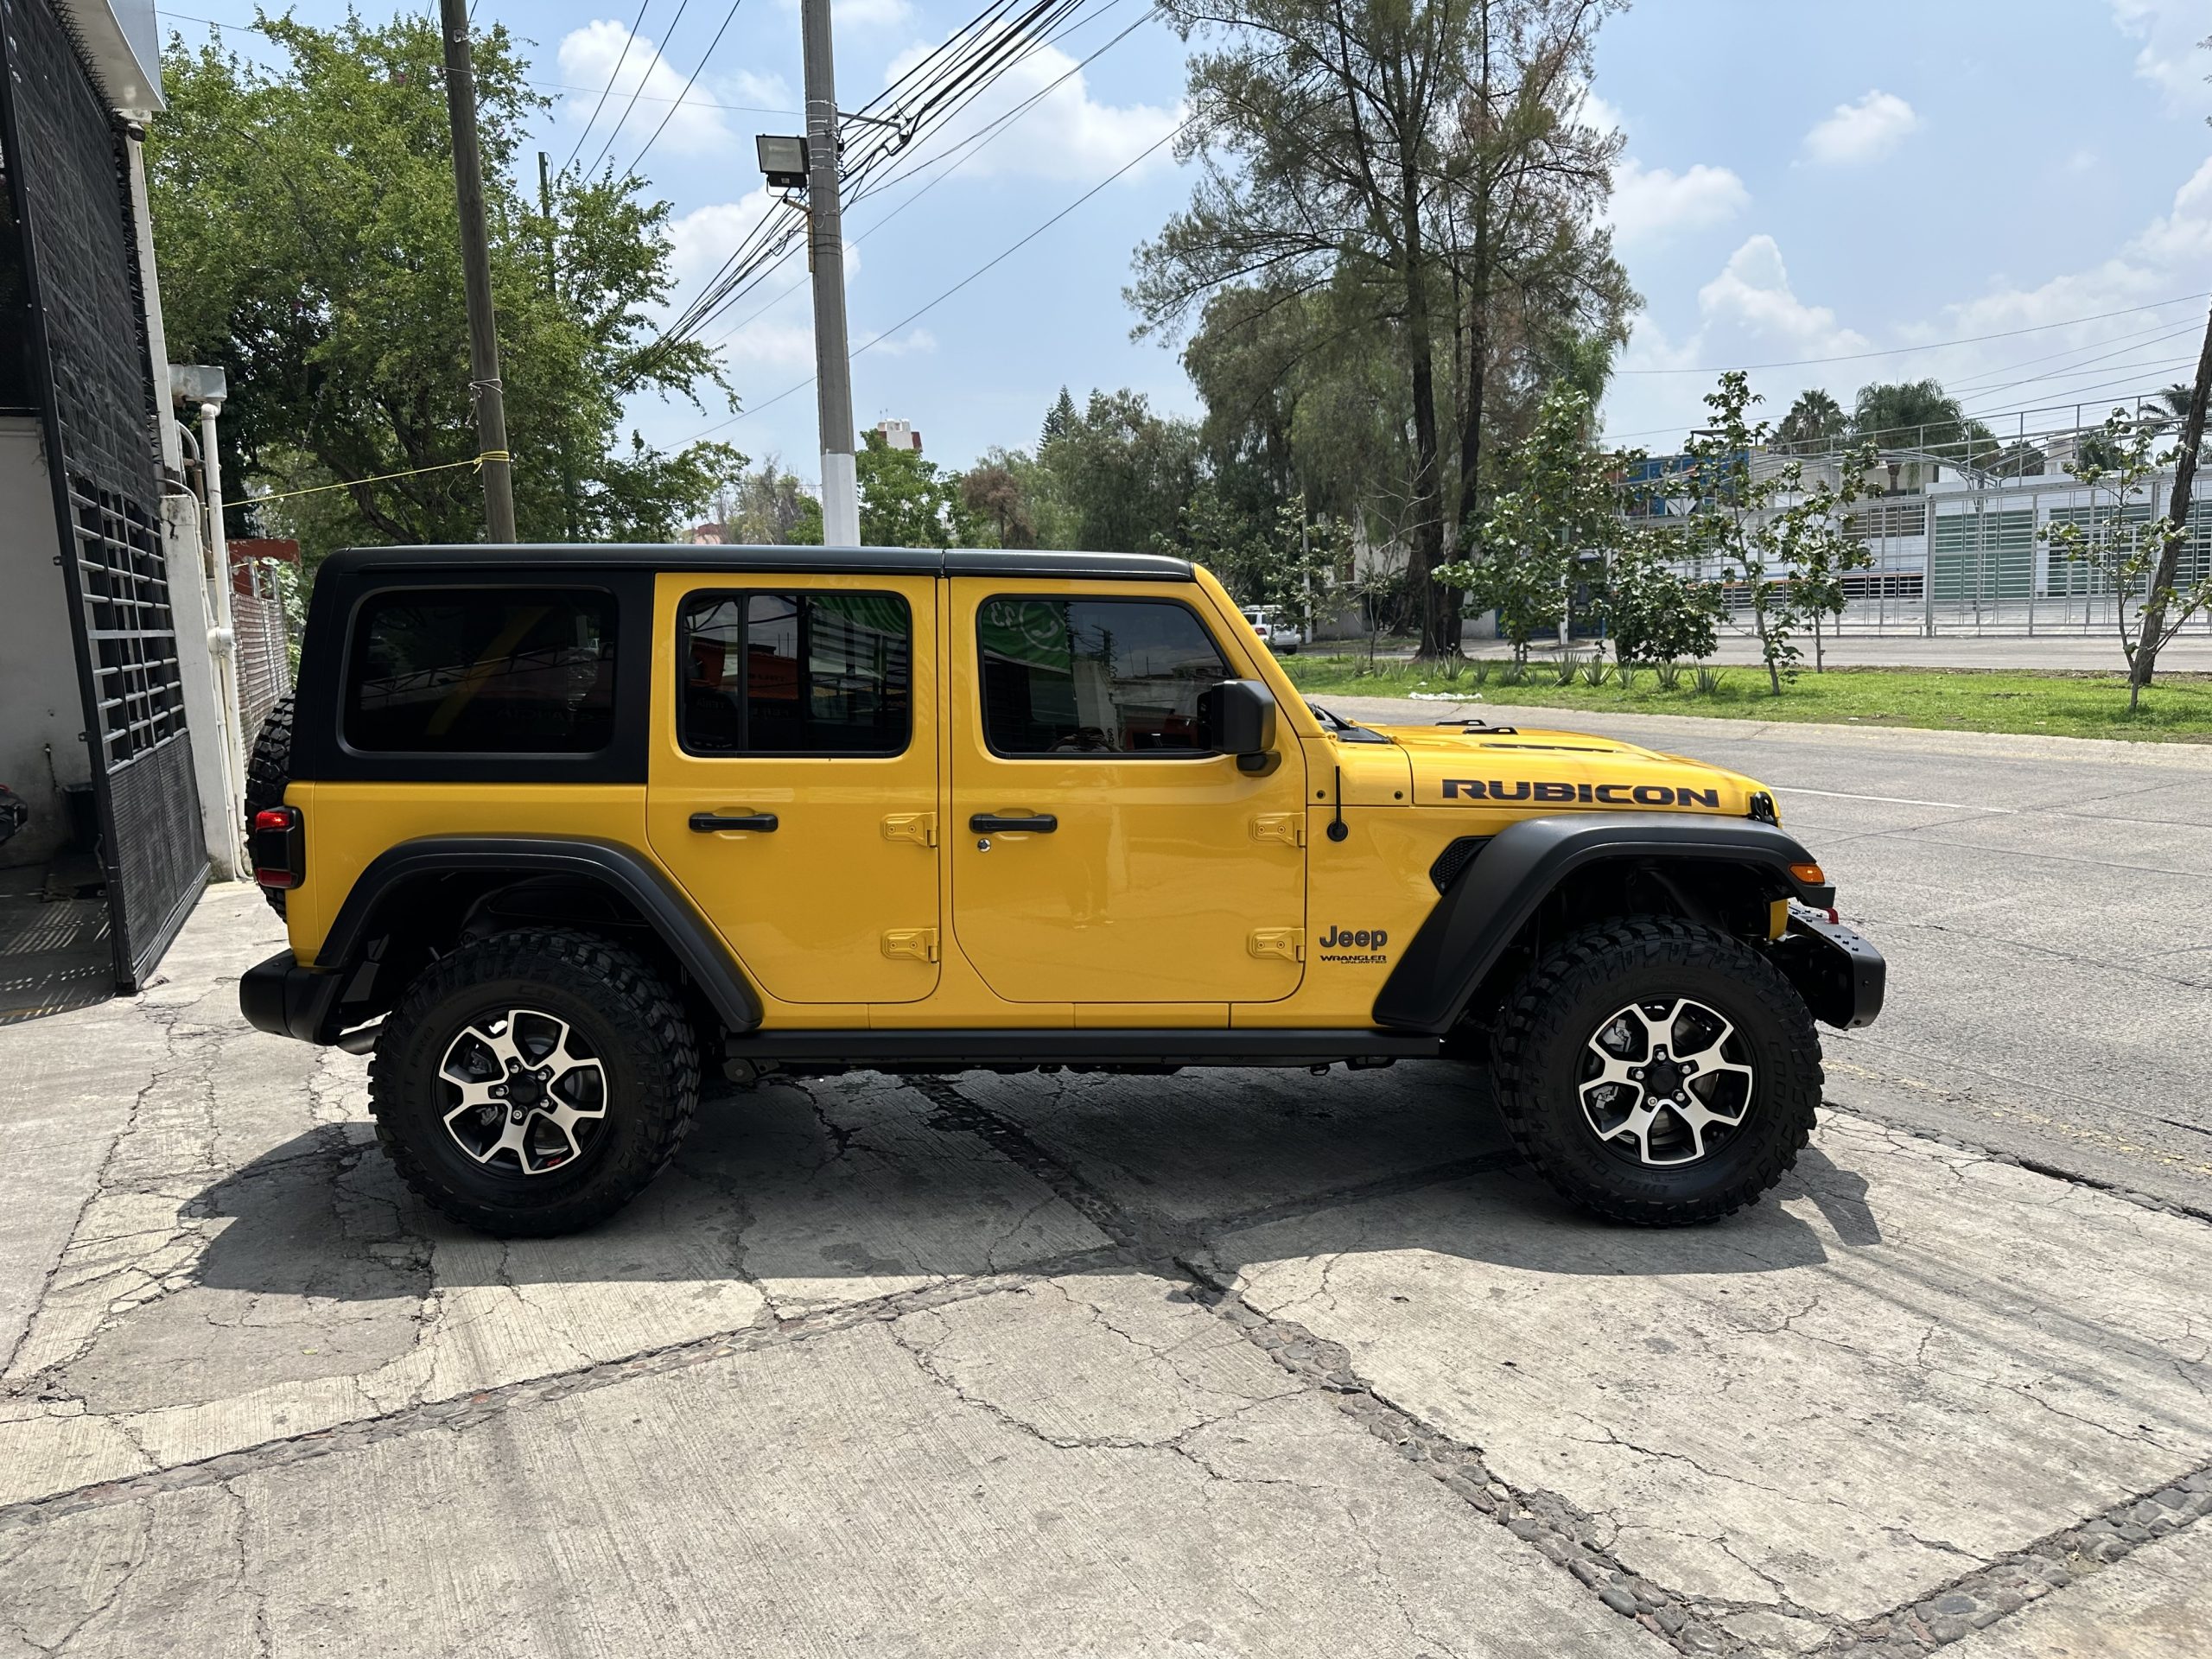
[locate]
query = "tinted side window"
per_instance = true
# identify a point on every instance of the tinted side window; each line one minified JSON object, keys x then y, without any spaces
{"x":1095,"y":675}
{"x":796,"y":673}
{"x":510,"y":671}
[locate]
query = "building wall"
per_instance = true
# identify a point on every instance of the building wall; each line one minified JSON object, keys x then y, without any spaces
{"x":40,"y":706}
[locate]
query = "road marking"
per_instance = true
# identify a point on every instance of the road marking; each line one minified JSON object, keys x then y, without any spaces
{"x":1895,"y":800}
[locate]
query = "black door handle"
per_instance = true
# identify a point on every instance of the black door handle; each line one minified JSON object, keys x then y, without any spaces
{"x":707,"y":823}
{"x":992,"y":823}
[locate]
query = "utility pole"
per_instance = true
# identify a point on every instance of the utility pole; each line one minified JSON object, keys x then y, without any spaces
{"x":476,"y":278}
{"x":825,"y":242}
{"x":2162,"y":581}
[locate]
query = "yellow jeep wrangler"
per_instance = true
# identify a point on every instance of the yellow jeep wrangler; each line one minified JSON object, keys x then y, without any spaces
{"x":553,"y":828}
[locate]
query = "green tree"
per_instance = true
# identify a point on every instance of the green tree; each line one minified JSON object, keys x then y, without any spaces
{"x":1654,"y":614}
{"x":1537,"y":296}
{"x":996,"y":498}
{"x":1399,"y":157}
{"x":2116,"y":537}
{"x":1784,"y":547}
{"x":1814,"y":424}
{"x":1059,"y":419}
{"x":1920,"y":415}
{"x":305,"y":228}
{"x":1565,"y":505}
{"x":906,"y":502}
{"x":761,"y":506}
{"x":1118,"y":480}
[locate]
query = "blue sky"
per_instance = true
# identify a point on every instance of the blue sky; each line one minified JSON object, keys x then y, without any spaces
{"x":1799,"y":184}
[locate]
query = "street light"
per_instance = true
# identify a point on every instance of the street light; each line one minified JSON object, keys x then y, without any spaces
{"x":784,"y":160}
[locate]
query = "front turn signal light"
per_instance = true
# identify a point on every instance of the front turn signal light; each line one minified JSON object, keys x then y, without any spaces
{"x":1811,"y":874}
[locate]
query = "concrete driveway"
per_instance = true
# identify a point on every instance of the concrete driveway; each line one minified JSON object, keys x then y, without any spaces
{"x":1222,"y":1363}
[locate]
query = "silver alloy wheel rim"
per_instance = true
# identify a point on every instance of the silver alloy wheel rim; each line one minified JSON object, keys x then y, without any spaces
{"x":519,"y":1086}
{"x":1667,"y":1080}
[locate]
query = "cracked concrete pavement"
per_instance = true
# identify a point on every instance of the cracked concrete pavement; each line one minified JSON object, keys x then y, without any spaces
{"x":1217,"y":1364}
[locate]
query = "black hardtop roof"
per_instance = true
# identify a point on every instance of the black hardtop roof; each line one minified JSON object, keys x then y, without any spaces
{"x":518,"y":559}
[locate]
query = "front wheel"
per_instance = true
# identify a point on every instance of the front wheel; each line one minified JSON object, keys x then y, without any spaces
{"x":1657,"y":1071}
{"x":533,"y":1082}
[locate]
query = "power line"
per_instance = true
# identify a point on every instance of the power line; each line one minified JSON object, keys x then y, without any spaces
{"x":564,"y":88}
{"x":1976,"y":381}
{"x":995,"y":260}
{"x":630,"y":108}
{"x":767,"y":246}
{"x":973,"y":143}
{"x":686,"y":93}
{"x":958,"y":67}
{"x":1930,"y":346}
{"x":643,"y":5}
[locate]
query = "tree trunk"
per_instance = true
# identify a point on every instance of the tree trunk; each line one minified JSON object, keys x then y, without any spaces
{"x":1429,"y":495}
{"x":2154,"y":612}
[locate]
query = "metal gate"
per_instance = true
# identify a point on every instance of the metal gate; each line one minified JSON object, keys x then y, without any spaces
{"x":92,"y":375}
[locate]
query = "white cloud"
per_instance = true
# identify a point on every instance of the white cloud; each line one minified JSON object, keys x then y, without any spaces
{"x":2169,"y":58}
{"x":1067,"y":134}
{"x":1865,"y":131}
{"x":590,"y":57}
{"x":770,"y":91}
{"x":1649,"y":203}
{"x":1750,"y":304}
{"x":915,"y":342}
{"x":766,"y":343}
{"x":1596,"y":112}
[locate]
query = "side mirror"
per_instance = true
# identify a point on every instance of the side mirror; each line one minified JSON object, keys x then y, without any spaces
{"x":1238,"y":717}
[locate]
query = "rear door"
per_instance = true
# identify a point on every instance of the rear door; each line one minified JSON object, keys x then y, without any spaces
{"x":1101,"y":855}
{"x":794,"y":782}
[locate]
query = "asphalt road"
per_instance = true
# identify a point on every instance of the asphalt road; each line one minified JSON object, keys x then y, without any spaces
{"x":1225,"y":1363}
{"x":2045,"y":905}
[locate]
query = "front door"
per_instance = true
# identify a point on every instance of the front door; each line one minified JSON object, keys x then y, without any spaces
{"x":794,"y":779}
{"x":1101,"y":854}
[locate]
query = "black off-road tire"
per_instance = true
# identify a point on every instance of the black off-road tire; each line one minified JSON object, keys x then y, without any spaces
{"x":1561,"y":1006}
{"x":627,"y":1017}
{"x":268,"y":772}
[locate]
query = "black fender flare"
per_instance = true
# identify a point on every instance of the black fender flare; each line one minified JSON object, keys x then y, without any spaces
{"x":686,"y":933}
{"x":1494,"y":896}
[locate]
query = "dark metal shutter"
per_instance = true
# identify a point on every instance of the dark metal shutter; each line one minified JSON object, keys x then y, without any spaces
{"x":94,"y":378}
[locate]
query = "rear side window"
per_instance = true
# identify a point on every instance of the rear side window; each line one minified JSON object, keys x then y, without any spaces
{"x":489,"y":670}
{"x":1094,"y":676}
{"x":796,"y":673}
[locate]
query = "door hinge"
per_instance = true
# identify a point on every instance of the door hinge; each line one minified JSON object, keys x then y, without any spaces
{"x":1289,"y":828}
{"x":920,"y":827}
{"x":1287,"y":943}
{"x":918,"y":942}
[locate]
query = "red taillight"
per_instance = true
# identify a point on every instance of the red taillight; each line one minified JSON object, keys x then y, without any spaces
{"x":273,"y":845}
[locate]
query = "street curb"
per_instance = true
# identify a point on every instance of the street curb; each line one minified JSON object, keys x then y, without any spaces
{"x":2002,"y":746}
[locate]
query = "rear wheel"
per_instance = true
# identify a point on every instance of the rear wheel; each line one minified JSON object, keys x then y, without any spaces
{"x":269,"y":774}
{"x":534,"y":1083}
{"x":1658,"y":1071}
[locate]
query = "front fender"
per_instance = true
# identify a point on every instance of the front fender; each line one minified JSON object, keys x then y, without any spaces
{"x":1494,"y":896}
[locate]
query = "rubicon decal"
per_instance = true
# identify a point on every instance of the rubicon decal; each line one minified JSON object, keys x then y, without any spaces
{"x":1475,"y":789}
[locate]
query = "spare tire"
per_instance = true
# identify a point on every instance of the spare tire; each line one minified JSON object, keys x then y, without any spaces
{"x":268,"y":771}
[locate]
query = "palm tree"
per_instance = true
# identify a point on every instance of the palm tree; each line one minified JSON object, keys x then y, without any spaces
{"x":2164,"y":411}
{"x":1815,"y":423}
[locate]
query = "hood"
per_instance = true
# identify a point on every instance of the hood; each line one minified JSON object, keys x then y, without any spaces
{"x":1529,"y":767}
